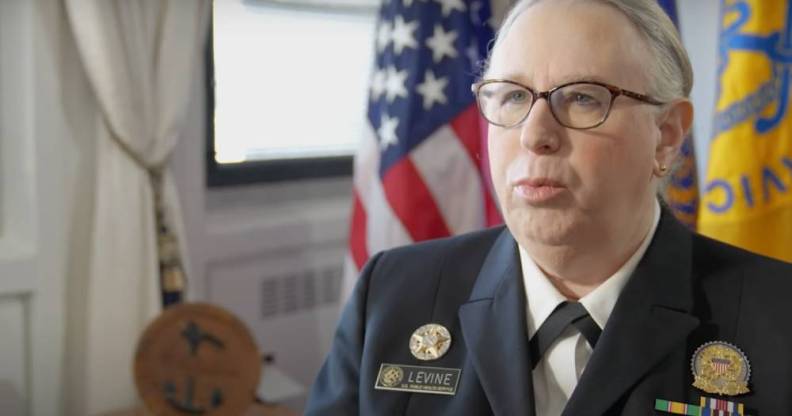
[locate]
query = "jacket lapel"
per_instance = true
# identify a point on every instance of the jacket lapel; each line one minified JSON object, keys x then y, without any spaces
{"x":651,"y":318}
{"x":495,"y":333}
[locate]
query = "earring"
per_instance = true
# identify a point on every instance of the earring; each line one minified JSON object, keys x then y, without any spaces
{"x":660,"y":169}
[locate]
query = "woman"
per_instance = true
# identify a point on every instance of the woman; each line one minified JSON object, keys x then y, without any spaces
{"x":593,"y":300}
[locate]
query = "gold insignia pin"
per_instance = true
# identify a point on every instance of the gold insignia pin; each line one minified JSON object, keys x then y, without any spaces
{"x":391,"y":376}
{"x":720,"y":368}
{"x":430,"y":342}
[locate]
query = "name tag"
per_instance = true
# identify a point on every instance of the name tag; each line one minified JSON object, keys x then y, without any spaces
{"x":418,"y":379}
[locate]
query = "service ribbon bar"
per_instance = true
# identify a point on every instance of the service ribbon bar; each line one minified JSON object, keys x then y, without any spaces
{"x":719,"y":404}
{"x":725,"y":408}
{"x":677,"y":408}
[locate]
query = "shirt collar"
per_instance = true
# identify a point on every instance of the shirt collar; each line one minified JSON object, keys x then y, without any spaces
{"x":542,"y":297}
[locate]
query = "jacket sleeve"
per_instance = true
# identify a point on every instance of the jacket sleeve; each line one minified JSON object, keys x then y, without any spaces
{"x":335,"y":391}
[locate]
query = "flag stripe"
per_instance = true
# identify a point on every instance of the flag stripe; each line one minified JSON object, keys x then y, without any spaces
{"x":472,"y":132}
{"x":466,"y":127}
{"x":367,"y":165}
{"x":492,"y":213}
{"x":452,"y":178}
{"x":357,"y":232}
{"x":383,"y":229}
{"x":412,"y":202}
{"x":493,"y":216}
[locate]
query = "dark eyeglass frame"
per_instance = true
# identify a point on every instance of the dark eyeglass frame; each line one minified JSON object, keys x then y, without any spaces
{"x":536,"y":96}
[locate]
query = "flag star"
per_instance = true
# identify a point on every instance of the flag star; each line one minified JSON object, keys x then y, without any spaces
{"x":378,"y":83}
{"x":394,"y":83}
{"x":384,"y":35}
{"x":432,"y":90}
{"x":442,"y":44}
{"x":387,"y":131}
{"x":402,"y":35}
{"x":449,"y":6}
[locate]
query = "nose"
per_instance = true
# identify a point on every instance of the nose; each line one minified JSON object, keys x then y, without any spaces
{"x":539,"y":131}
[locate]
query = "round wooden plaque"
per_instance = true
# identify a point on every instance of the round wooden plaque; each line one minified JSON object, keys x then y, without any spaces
{"x":197,"y":359}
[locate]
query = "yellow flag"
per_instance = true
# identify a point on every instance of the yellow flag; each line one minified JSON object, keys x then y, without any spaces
{"x":747,"y":196}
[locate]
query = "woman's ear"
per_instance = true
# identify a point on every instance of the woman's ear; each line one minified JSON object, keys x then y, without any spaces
{"x":674,"y":124}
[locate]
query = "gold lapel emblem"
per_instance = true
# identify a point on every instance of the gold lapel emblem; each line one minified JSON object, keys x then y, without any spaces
{"x":391,"y":375}
{"x":720,"y":368}
{"x":430,"y":342}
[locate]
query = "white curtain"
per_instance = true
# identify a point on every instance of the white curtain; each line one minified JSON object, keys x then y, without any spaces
{"x":140,"y":57}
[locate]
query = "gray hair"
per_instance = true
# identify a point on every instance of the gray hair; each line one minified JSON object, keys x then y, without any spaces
{"x":671,"y":74}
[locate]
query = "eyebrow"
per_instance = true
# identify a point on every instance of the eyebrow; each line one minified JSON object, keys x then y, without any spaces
{"x":560,"y":81}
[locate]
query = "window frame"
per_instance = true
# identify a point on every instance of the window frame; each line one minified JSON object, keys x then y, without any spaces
{"x":259,"y":171}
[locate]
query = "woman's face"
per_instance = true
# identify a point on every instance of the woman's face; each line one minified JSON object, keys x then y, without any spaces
{"x":558,"y":185}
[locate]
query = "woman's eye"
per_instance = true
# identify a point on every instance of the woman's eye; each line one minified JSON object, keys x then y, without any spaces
{"x":516,"y":97}
{"x":584,"y":100}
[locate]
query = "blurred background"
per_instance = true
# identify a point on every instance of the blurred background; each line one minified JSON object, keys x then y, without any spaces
{"x":160,"y":151}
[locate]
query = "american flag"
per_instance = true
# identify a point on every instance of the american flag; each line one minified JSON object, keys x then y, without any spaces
{"x":421,"y":170}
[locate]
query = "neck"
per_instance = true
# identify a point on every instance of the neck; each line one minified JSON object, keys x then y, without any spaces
{"x":579,"y":268}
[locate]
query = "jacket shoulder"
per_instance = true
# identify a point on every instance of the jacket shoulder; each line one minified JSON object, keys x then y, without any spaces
{"x":459,"y":244}
{"x":434,"y":254}
{"x":739,"y":281}
{"x":719,"y":257}
{"x":418,"y":269}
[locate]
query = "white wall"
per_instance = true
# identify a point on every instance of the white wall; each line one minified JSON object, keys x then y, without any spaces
{"x":699,"y":25}
{"x":243,"y":240}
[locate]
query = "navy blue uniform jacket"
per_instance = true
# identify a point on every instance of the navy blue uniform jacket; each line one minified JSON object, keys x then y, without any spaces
{"x":686,"y":290}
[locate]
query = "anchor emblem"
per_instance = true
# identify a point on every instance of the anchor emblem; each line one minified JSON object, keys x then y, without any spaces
{"x":197,"y":359}
{"x":194,"y":336}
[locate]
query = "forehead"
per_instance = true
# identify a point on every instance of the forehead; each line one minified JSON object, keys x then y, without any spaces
{"x":556,"y":41}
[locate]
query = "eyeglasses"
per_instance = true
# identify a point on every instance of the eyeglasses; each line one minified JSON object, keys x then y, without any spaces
{"x":578,"y":105}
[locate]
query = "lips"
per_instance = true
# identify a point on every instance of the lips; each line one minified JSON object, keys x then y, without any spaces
{"x":538,"y":190}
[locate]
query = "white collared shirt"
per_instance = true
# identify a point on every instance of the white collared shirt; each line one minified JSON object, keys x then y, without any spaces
{"x":559,"y":370}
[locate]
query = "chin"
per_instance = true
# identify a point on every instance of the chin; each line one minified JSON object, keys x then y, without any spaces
{"x":549,"y":226}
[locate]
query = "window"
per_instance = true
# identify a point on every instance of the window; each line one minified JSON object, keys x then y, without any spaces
{"x":288,"y":87}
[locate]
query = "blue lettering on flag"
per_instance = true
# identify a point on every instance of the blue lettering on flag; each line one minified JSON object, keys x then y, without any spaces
{"x":747,"y":192}
{"x":727,"y":189}
{"x":768,"y":177}
{"x":772,"y":179}
{"x":777,"y":48}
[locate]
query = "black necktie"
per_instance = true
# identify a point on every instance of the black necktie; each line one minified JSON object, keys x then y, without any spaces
{"x":565,"y":314}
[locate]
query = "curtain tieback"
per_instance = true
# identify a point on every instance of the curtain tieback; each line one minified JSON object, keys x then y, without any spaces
{"x":173,"y":280}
